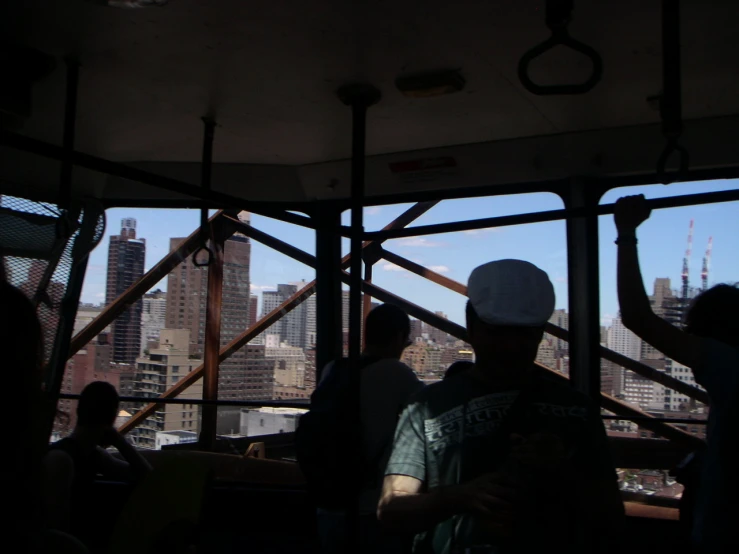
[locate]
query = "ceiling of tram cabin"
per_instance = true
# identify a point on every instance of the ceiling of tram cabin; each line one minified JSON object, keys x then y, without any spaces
{"x":268,"y":71}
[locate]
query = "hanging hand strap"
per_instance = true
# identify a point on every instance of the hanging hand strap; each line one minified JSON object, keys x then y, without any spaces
{"x":559,"y":15}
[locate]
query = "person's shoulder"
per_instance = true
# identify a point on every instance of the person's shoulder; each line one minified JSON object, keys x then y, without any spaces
{"x":717,"y":351}
{"x":562,"y":390}
{"x":390,"y":366}
{"x":57,"y":460}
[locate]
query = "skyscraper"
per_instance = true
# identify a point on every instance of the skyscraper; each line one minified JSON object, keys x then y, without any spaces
{"x":168,"y":363}
{"x":623,"y":341}
{"x":560,"y":318}
{"x":253,"y":304}
{"x":187,"y":293}
{"x":126,"y":255}
{"x":153,"y":318}
{"x":292,"y":327}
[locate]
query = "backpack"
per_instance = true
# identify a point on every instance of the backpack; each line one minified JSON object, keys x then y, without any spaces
{"x":327,"y":463}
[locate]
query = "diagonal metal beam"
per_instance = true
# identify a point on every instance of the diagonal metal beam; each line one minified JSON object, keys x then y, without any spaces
{"x":639,"y":368}
{"x":137,"y":290}
{"x":605,"y":353}
{"x":282,"y":247}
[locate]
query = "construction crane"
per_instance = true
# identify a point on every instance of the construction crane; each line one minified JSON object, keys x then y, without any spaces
{"x":686,"y":264}
{"x":706,"y":263}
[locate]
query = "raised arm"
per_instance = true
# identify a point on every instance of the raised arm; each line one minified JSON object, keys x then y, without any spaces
{"x":636,"y":311}
{"x":132,"y":466}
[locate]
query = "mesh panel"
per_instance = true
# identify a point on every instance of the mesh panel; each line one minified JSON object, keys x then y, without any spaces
{"x":28,"y":244}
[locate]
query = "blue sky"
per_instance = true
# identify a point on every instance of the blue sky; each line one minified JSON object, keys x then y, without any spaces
{"x":662,"y":245}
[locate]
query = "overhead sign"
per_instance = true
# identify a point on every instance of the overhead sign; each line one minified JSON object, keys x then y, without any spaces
{"x":424,"y":170}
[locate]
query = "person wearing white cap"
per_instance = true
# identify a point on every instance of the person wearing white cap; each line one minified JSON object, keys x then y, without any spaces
{"x":502,"y":458}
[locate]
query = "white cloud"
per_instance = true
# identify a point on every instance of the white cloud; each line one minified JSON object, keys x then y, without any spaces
{"x":607,"y":319}
{"x":255,"y":288}
{"x":420,"y":242}
{"x":373,"y":210}
{"x":434,"y":268}
{"x":483,"y":231}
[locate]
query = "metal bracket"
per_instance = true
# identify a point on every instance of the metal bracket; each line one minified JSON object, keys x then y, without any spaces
{"x":559,"y":15}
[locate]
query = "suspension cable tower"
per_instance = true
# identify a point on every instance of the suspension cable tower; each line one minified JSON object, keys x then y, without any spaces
{"x":706,"y":264}
{"x":686,"y":265}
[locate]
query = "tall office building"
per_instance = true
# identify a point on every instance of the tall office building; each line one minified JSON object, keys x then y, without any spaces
{"x":253,"y":314}
{"x":623,"y":341}
{"x":292,"y":327}
{"x":187,"y":293}
{"x":153,"y":318}
{"x":560,"y":318}
{"x":310,"y":322}
{"x":437,"y":335}
{"x":154,"y":374}
{"x":126,"y":255}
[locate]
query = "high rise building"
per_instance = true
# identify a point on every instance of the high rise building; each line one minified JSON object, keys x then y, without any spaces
{"x":561,"y":319}
{"x":291,"y":328}
{"x":310,"y":322}
{"x":233,"y":379}
{"x":437,"y":335}
{"x":157,"y":372}
{"x":416,"y":330}
{"x":126,"y":256}
{"x":253,"y":305}
{"x":153,"y":318}
{"x":187,"y":293}
{"x":623,"y":341}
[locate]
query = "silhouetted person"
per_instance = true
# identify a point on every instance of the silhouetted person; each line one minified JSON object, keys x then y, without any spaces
{"x":387,"y":385}
{"x":22,"y":347}
{"x":457,"y":368}
{"x":709,"y":345}
{"x":73,"y":463}
{"x":501,"y":458}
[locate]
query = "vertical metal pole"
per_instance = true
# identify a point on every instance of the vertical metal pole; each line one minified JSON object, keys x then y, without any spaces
{"x":70,"y":117}
{"x":212,"y":341}
{"x":329,"y":339}
{"x":359,"y":97}
{"x":209,"y":421}
{"x":584,"y":290}
{"x":367,"y":306}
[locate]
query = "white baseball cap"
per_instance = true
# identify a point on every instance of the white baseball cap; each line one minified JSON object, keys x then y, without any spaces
{"x":511,"y":292}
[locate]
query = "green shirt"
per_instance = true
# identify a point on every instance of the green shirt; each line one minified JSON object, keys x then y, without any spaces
{"x":433,"y":445}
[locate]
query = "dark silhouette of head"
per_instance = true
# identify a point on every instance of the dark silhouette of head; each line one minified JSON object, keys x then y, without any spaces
{"x":458,"y":368}
{"x":713,"y":314}
{"x":97,"y":406}
{"x":510,"y":302}
{"x":386,"y":331}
